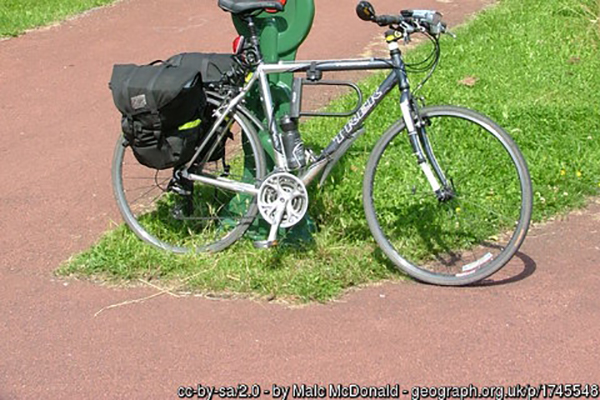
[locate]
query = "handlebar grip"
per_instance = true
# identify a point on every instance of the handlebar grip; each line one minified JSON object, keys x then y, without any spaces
{"x":388,"y":20}
{"x":412,"y":20}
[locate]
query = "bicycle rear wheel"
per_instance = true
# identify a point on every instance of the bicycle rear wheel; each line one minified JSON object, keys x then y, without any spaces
{"x":464,"y":239}
{"x":211,"y":219}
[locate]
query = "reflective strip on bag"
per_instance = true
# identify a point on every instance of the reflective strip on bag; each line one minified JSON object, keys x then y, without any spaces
{"x":190,"y":125}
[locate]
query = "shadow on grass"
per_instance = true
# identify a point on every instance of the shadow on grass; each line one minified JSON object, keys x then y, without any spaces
{"x":276,"y":257}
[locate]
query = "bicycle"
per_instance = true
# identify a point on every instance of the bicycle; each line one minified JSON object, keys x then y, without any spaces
{"x":444,"y":223}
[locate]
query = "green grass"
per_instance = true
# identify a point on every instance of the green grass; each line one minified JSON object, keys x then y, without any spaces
{"x":534,"y":64}
{"x":16,"y":16}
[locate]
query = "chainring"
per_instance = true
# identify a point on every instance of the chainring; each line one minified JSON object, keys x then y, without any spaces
{"x":283,"y":190}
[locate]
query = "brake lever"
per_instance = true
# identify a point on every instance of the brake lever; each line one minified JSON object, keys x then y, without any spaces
{"x":446,"y":31}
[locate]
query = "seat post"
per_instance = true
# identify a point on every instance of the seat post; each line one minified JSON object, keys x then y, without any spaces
{"x":255,"y":56}
{"x":252,"y":29}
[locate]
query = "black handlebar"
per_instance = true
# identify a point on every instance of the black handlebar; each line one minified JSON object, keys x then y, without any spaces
{"x":409,"y":21}
{"x":386,"y":20}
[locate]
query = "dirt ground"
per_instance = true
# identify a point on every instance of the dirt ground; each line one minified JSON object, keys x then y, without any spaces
{"x":535,"y":322}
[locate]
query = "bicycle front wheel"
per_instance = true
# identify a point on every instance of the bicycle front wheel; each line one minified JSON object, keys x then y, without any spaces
{"x":463,"y":239}
{"x":210,"y":219}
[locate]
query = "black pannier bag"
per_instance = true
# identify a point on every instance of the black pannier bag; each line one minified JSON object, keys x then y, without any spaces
{"x":214,"y":67}
{"x":163,"y":106}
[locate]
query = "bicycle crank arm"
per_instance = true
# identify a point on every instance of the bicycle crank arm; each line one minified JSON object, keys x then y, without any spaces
{"x":272,"y":239}
{"x":282,"y":202}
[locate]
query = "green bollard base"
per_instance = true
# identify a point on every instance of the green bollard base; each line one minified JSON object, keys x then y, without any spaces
{"x":297,"y":236}
{"x":302,"y":234}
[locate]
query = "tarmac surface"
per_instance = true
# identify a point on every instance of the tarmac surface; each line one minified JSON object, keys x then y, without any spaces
{"x":536,"y":321}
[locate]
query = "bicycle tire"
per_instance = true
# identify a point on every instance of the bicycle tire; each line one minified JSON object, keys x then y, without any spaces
{"x":440,"y":242}
{"x":167,"y":230}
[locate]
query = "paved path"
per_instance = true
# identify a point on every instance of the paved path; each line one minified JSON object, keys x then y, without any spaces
{"x":537,"y":322}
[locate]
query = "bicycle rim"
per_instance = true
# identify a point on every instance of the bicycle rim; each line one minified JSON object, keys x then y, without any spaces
{"x":210,"y":219}
{"x":469,"y":237}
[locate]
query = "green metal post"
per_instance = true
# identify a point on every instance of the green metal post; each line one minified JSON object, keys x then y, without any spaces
{"x":281,"y":35}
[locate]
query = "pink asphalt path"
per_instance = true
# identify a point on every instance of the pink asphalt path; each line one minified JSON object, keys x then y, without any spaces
{"x":537,"y":321}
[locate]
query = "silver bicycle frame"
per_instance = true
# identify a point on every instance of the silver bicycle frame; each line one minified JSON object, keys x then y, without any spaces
{"x":260,"y":76}
{"x":341,"y":142}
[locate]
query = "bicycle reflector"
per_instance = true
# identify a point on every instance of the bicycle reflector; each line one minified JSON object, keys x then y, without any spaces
{"x":272,"y":10}
{"x":238,"y":44}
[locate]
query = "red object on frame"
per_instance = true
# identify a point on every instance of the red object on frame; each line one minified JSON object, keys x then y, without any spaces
{"x":272,"y":11}
{"x":238,"y":44}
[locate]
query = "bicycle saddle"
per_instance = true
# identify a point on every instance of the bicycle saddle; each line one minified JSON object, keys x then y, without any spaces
{"x":245,"y":6}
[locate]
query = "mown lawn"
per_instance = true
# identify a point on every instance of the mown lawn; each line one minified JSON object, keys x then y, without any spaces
{"x":16,"y":16}
{"x":531,"y":65}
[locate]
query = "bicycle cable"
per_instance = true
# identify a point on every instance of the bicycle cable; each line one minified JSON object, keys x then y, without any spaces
{"x":427,"y":63}
{"x":432,"y":66}
{"x":430,"y":62}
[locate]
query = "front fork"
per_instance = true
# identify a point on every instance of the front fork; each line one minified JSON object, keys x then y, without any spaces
{"x":415,"y":125}
{"x":417,"y":134}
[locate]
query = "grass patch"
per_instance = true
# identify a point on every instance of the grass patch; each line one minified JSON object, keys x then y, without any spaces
{"x":16,"y":16}
{"x":531,"y":65}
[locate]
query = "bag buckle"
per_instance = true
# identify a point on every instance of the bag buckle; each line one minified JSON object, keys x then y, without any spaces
{"x":136,"y":125}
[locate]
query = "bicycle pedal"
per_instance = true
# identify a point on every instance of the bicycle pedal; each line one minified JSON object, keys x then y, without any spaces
{"x":178,"y":213}
{"x":265,"y":244}
{"x":182,"y":212}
